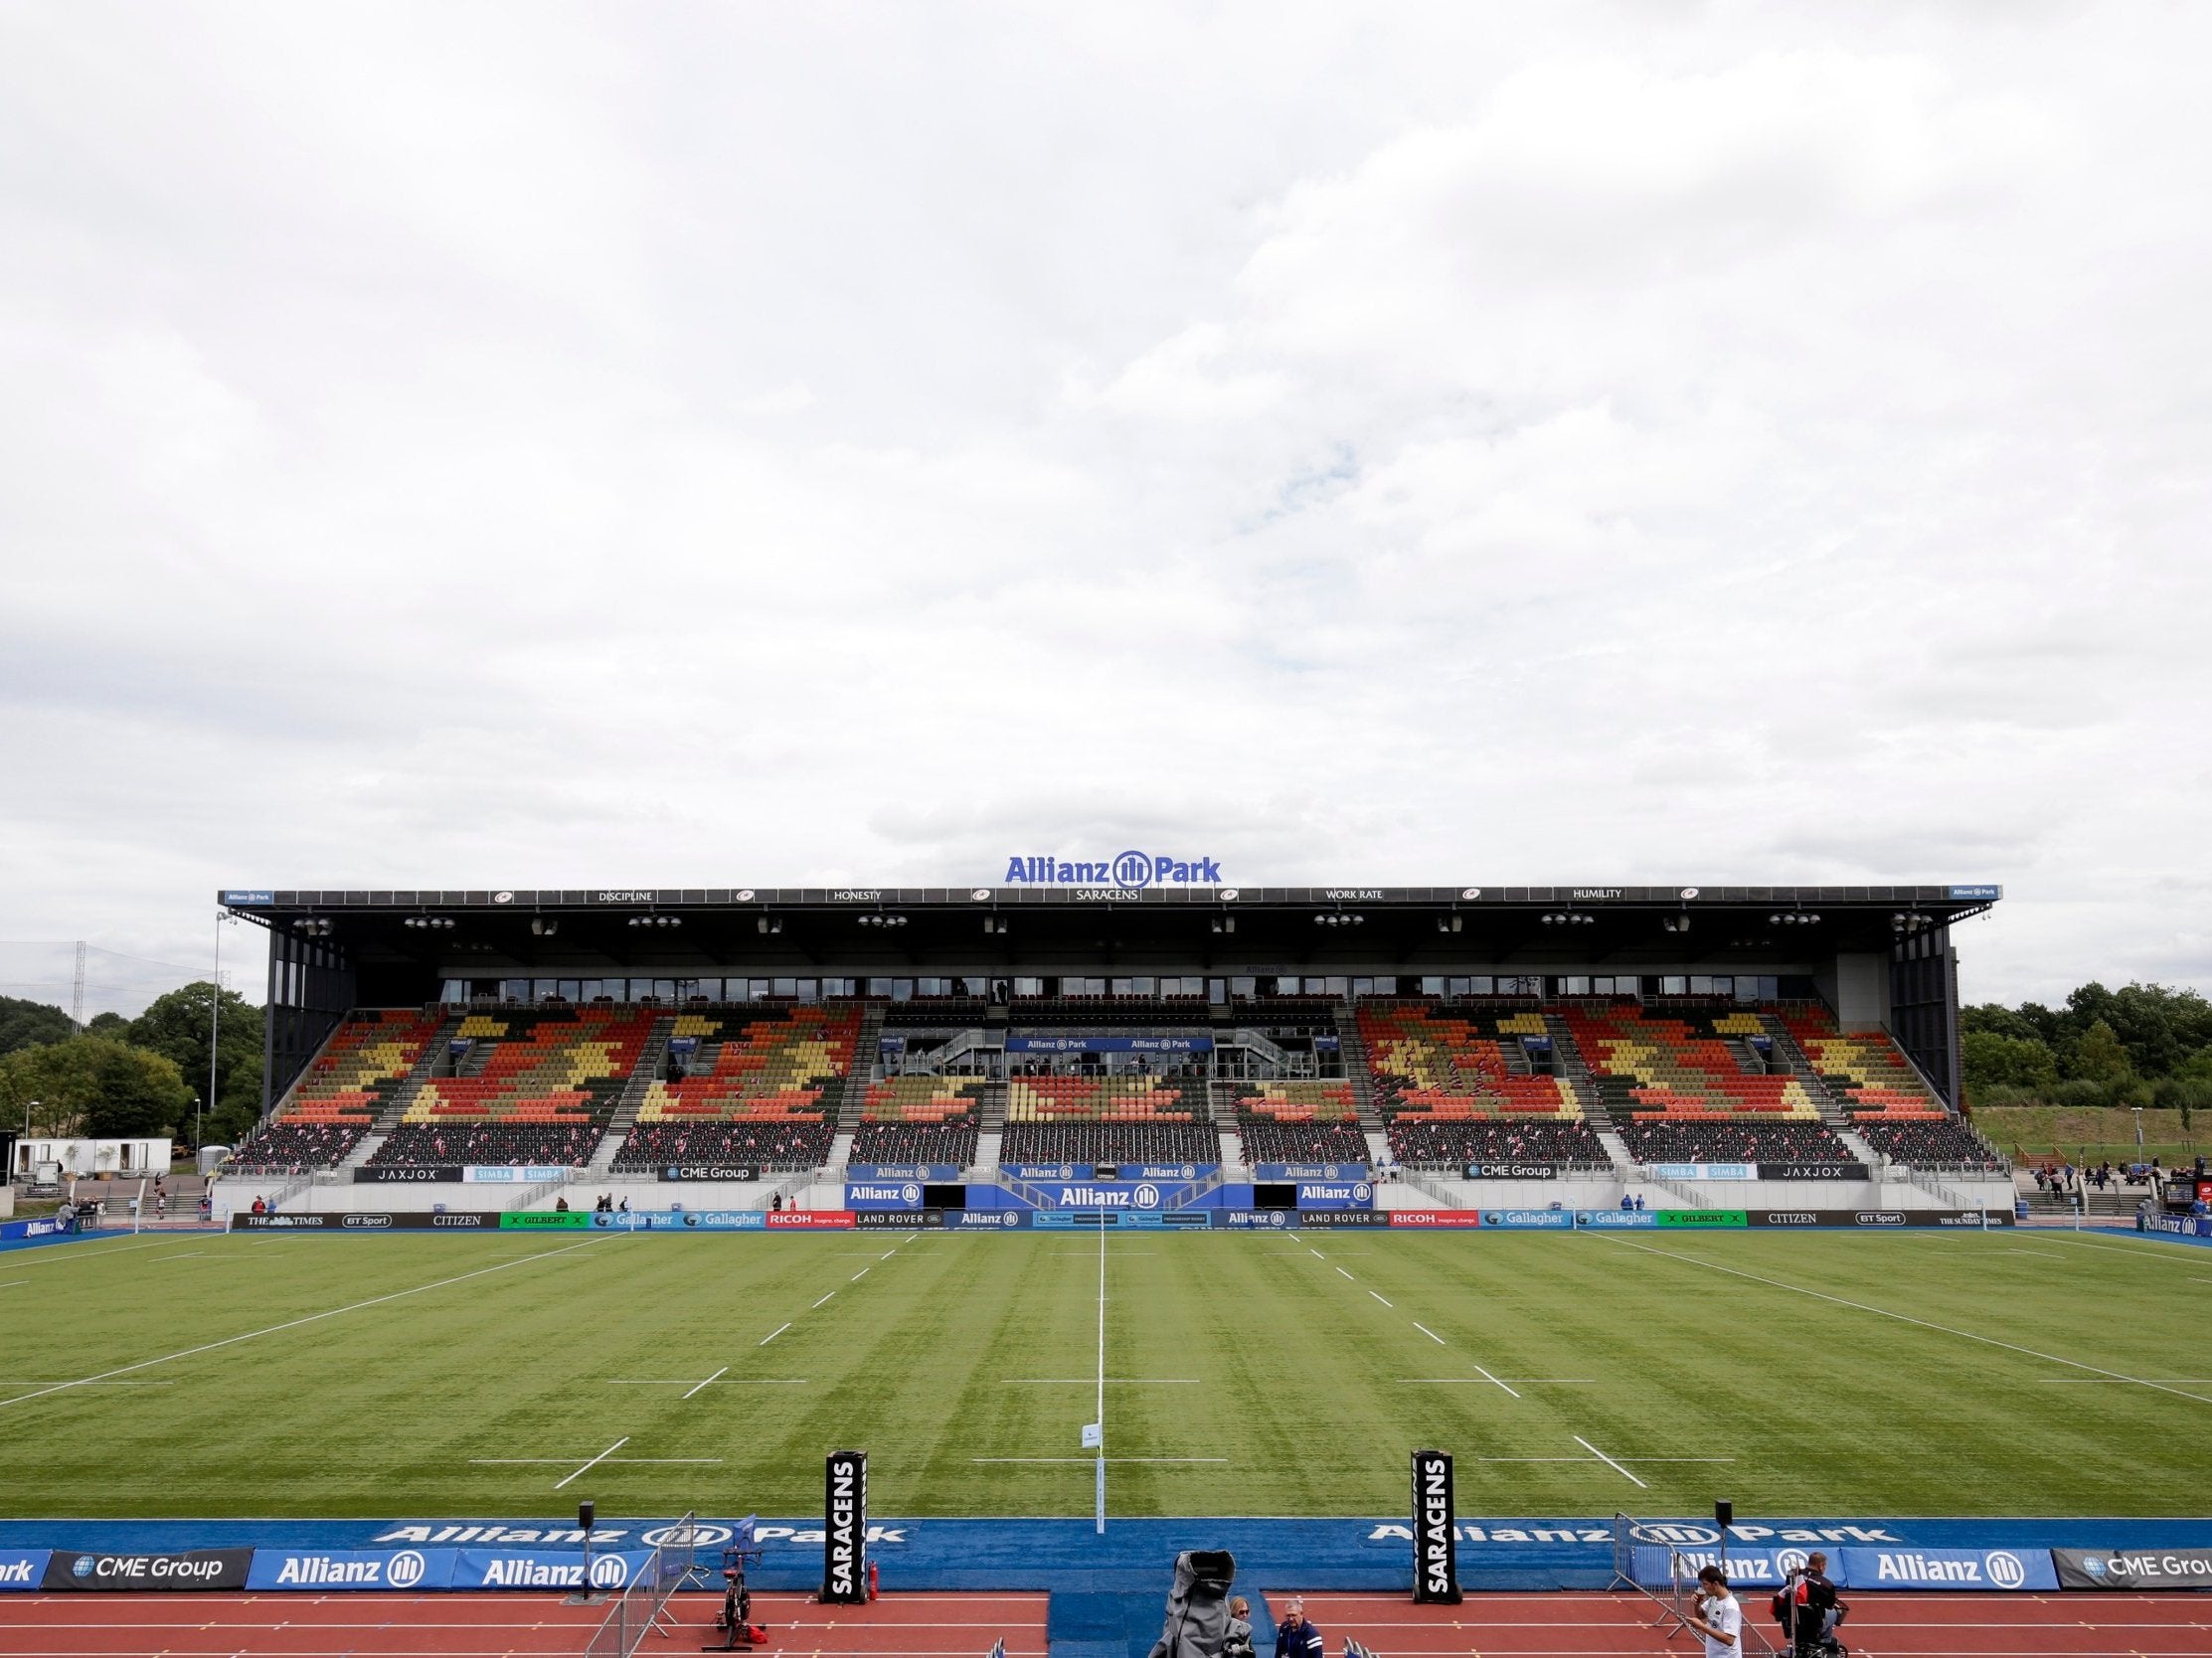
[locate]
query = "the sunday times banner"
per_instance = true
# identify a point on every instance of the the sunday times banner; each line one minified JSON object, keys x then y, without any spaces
{"x":845,"y":1528}
{"x":1435,"y":1528}
{"x":191,"y":1568}
{"x":2136,"y":1570}
{"x":352,"y":1568}
{"x":22,"y":1570}
{"x":1948,"y":1569}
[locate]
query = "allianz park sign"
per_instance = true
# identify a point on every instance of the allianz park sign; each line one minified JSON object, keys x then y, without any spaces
{"x":1130,"y":871}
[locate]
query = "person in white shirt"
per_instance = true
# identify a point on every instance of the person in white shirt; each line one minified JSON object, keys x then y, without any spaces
{"x":1715,"y":1615}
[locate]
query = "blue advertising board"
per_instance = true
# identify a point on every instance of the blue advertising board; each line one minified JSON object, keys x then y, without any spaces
{"x":352,"y":1568}
{"x":883,"y":1193}
{"x":938,"y":1173}
{"x":1529,"y":1220}
{"x":681,"y":1219}
{"x":1946,"y":1569}
{"x":1110,"y":1044}
{"x":1615,"y":1220}
{"x":1309,"y":1171}
{"x":1706,"y":1171}
{"x":21,"y":1570}
{"x":1336,"y":1194}
{"x":543,"y":1568}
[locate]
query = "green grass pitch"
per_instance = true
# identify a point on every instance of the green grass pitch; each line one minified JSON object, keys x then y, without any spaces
{"x":1258,"y":1374}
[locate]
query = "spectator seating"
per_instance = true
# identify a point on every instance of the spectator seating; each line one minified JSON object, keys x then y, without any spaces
{"x":344,"y":1089}
{"x":1948,"y":1144}
{"x":542,"y":1095}
{"x":919,"y":1119}
{"x":1108,"y":1119}
{"x":761,"y":1091}
{"x":283,"y":1146}
{"x":1300,"y":1121}
{"x":1740,"y":1139}
{"x":1451,"y":1093}
{"x":1864,"y":1070}
{"x":1678,"y":1067}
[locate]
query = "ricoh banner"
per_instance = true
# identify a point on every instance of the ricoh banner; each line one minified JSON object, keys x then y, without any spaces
{"x":1435,"y":1528}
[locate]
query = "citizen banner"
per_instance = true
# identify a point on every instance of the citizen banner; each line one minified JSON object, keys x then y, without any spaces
{"x":845,"y":1528}
{"x":1435,"y":1527}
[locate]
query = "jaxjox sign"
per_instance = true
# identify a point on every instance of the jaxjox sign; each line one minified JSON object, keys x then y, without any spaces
{"x":1130,"y":871}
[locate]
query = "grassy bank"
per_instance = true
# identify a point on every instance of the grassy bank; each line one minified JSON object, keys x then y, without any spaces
{"x":2091,"y":1133}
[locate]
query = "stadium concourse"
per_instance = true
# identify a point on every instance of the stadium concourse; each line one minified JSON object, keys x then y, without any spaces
{"x":1515,"y":1050}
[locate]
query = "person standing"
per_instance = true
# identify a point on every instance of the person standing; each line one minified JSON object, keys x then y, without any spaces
{"x":1236,"y":1643}
{"x":1294,"y":1638}
{"x":1716,"y":1614}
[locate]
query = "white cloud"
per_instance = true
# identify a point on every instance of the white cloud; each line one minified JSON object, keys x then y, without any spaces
{"x":1684,"y":442}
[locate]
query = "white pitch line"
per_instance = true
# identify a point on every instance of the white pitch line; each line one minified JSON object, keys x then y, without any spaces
{"x":825,"y":1298}
{"x":862,"y":1273}
{"x":1087,"y":1380}
{"x":1347,"y":1274}
{"x":188,"y":1254}
{"x":1487,"y":1376}
{"x":1609,"y":1462}
{"x":1316,"y":1253}
{"x":596,"y":1461}
{"x":1430,"y":1334}
{"x":1524,"y":1380}
{"x":1379,"y":1297}
{"x":718,"y":1374}
{"x":295,"y":1323}
{"x":725,"y":1382}
{"x":2116,"y":1382}
{"x":772,"y":1334}
{"x":13,"y":1283}
{"x":1906,"y":1318}
{"x":79,"y":1252}
{"x":1092,"y":1459}
{"x":887,"y":1254}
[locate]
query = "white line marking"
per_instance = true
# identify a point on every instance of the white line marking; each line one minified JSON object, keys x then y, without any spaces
{"x":1903,"y":1318}
{"x":1379,"y":1298}
{"x":2155,"y":1254}
{"x":1088,"y":1460}
{"x":1609,"y":1462}
{"x":1111,"y":1381}
{"x":596,"y":1461}
{"x":772,"y":1334}
{"x":41,"y":1381}
{"x":295,"y":1323}
{"x":1430,"y":1334}
{"x":2115,"y":1380}
{"x":189,"y":1254}
{"x":725,"y":1382}
{"x":887,"y":1254}
{"x":14,"y":1282}
{"x":564,"y":1462}
{"x":718,"y":1374}
{"x":1316,"y":1253}
{"x":1584,"y":1461}
{"x":825,"y":1298}
{"x":81,"y":1253}
{"x":1524,"y":1380}
{"x":1487,"y":1376}
{"x":862,"y":1273}
{"x":1347,"y":1274}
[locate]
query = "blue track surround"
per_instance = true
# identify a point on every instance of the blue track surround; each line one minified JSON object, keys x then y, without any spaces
{"x":1134,"y":1556}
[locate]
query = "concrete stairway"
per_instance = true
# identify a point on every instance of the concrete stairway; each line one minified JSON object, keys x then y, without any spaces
{"x":397,"y":1107}
{"x":652,"y":1059}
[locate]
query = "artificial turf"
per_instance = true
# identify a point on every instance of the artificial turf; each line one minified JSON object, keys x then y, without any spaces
{"x":1281,"y":1373}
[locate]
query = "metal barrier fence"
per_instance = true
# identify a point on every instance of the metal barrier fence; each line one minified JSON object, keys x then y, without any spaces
{"x":1668,"y":1577}
{"x":642,"y":1606}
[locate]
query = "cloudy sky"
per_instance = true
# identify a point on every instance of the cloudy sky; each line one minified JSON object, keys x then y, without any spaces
{"x":528,"y":446}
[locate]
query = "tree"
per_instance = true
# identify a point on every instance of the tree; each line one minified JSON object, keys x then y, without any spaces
{"x":2099,"y":1057}
{"x":96,"y":1089}
{"x":31,"y":1023}
{"x":1995,"y":1019}
{"x":1993,"y":1060}
{"x":110,"y":1025}
{"x":176,"y":1026}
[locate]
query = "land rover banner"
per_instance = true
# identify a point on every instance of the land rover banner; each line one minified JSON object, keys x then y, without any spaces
{"x":1435,"y":1555}
{"x":845,"y":1528}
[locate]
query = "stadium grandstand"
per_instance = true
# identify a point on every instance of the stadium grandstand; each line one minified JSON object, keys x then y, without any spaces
{"x":1437,"y":1030}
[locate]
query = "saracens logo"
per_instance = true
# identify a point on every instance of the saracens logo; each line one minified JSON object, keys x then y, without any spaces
{"x":1130,"y":871}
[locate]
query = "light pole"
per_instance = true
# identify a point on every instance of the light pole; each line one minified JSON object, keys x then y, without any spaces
{"x":215,"y":1030}
{"x":2138,"y":1126}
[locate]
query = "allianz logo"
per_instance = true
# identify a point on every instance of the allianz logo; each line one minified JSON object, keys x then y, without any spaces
{"x":908,"y":1193}
{"x":1130,"y":871}
{"x":1147,"y":1195}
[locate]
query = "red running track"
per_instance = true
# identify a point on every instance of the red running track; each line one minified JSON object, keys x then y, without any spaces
{"x":1928,"y":1625}
{"x":509,"y":1625}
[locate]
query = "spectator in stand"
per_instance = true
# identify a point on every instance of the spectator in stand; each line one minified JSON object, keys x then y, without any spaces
{"x":260,"y":1208}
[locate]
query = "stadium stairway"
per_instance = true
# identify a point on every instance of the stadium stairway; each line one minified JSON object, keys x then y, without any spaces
{"x":1573,"y":1070}
{"x":1352,"y":1050}
{"x":652,"y":1061}
{"x":867,"y":1047}
{"x":389,"y":1119}
{"x":1792,"y":1059}
{"x":990,"y":1126}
